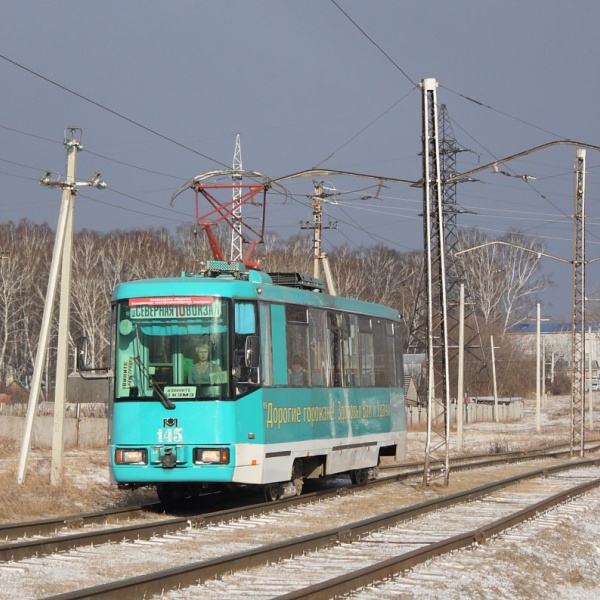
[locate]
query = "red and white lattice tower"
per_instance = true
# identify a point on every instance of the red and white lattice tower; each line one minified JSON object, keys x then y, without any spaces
{"x":236,"y":216}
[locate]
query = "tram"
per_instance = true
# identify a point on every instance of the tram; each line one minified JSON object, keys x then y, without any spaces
{"x":236,"y":377}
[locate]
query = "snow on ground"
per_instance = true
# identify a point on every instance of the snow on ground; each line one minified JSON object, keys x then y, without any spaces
{"x":556,"y":558}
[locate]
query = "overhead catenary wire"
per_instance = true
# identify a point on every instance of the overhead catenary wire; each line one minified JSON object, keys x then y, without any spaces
{"x":367,"y":126}
{"x":110,"y":110}
{"x":132,"y":210}
{"x":171,"y":140}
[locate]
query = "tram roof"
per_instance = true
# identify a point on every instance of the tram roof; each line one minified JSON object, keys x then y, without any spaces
{"x":255,"y":285}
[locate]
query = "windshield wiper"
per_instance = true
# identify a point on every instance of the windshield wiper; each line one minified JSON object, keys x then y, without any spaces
{"x":164,"y":400}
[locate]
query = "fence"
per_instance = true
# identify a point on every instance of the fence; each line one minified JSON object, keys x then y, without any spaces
{"x":474,"y":412}
{"x":85,"y":425}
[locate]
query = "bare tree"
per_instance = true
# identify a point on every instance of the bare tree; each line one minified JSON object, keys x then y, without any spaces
{"x":90,"y":295}
{"x":293,"y":254}
{"x":503,"y":279}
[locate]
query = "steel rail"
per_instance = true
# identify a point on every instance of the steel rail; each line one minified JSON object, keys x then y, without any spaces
{"x":27,"y":548}
{"x":53,"y":524}
{"x":198,"y":572}
{"x":366,"y":576}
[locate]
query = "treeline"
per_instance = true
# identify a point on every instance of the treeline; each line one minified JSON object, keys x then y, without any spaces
{"x":503,"y":280}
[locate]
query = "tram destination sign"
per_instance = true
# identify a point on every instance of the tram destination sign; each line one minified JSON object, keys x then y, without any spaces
{"x":174,"y":307}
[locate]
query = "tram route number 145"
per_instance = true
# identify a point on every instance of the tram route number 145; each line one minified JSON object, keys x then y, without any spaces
{"x":170,"y":435}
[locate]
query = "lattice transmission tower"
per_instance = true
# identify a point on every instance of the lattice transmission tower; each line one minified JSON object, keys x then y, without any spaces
{"x":455,"y":271}
{"x":578,"y":321}
{"x":237,"y":250}
{"x":436,"y":324}
{"x":438,"y":379}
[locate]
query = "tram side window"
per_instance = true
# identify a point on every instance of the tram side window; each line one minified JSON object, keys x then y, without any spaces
{"x":365,"y":350}
{"x":298,"y":355}
{"x":391,"y":354}
{"x":245,"y":326}
{"x":334,"y":324}
{"x":350,"y":350}
{"x":380,"y":353}
{"x":318,"y":354}
{"x":398,"y":359}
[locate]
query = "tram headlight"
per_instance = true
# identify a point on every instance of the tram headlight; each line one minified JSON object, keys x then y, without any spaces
{"x":131,"y":456}
{"x":211,"y":456}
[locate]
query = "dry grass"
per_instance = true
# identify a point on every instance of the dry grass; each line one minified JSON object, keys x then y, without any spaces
{"x":85,"y":485}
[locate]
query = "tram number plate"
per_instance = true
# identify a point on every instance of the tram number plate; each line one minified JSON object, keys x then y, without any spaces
{"x":170,"y":435}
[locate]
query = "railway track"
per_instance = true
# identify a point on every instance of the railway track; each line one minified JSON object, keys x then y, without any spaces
{"x":23,"y":540}
{"x":180,"y":530}
{"x":357,"y":554}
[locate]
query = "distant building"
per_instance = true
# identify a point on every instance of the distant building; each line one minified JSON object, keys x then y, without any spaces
{"x":18,"y":391}
{"x":555,"y":340}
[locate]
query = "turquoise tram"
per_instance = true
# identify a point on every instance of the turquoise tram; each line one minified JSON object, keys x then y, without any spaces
{"x":236,"y":377}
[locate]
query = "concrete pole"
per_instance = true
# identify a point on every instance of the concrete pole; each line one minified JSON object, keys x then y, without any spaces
{"x":38,"y":367}
{"x":496,"y":415}
{"x":590,"y":378}
{"x":544,"y":372}
{"x":460,"y":405}
{"x":538,"y":403}
{"x":62,"y":358}
{"x":317,"y":226}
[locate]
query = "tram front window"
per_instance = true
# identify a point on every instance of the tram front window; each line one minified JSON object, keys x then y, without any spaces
{"x":175,"y":348}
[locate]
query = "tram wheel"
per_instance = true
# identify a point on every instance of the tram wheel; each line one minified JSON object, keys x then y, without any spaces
{"x":171,"y":495}
{"x":359,"y":476}
{"x":271,"y":491}
{"x":297,"y":478}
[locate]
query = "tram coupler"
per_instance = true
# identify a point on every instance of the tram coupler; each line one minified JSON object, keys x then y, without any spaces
{"x":168,"y":459}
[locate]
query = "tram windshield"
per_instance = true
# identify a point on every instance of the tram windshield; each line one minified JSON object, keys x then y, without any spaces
{"x":173,"y":349}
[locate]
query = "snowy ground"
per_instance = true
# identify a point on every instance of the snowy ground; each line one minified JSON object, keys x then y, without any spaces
{"x":557,"y":558}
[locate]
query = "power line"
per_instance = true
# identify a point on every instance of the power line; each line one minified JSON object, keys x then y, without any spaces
{"x":385,"y":112}
{"x":374,"y":43}
{"x":12,"y":162}
{"x":131,"y":166}
{"x":132,"y":210}
{"x":504,"y":114}
{"x":39,"y":137}
{"x":110,"y":110}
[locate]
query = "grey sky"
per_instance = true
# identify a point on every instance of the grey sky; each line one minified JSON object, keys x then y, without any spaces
{"x":299,"y":81}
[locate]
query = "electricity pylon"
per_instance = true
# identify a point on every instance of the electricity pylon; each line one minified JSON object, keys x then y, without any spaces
{"x":436,"y":319}
{"x":237,"y":250}
{"x":438,"y":400}
{"x":578,"y":321}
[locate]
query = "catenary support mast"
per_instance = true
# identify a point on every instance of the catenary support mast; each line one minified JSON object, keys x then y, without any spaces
{"x":438,"y":394}
{"x":578,"y":321}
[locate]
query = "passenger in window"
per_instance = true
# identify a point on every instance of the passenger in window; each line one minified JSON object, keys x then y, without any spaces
{"x":297,"y":374}
{"x":201,"y":370}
